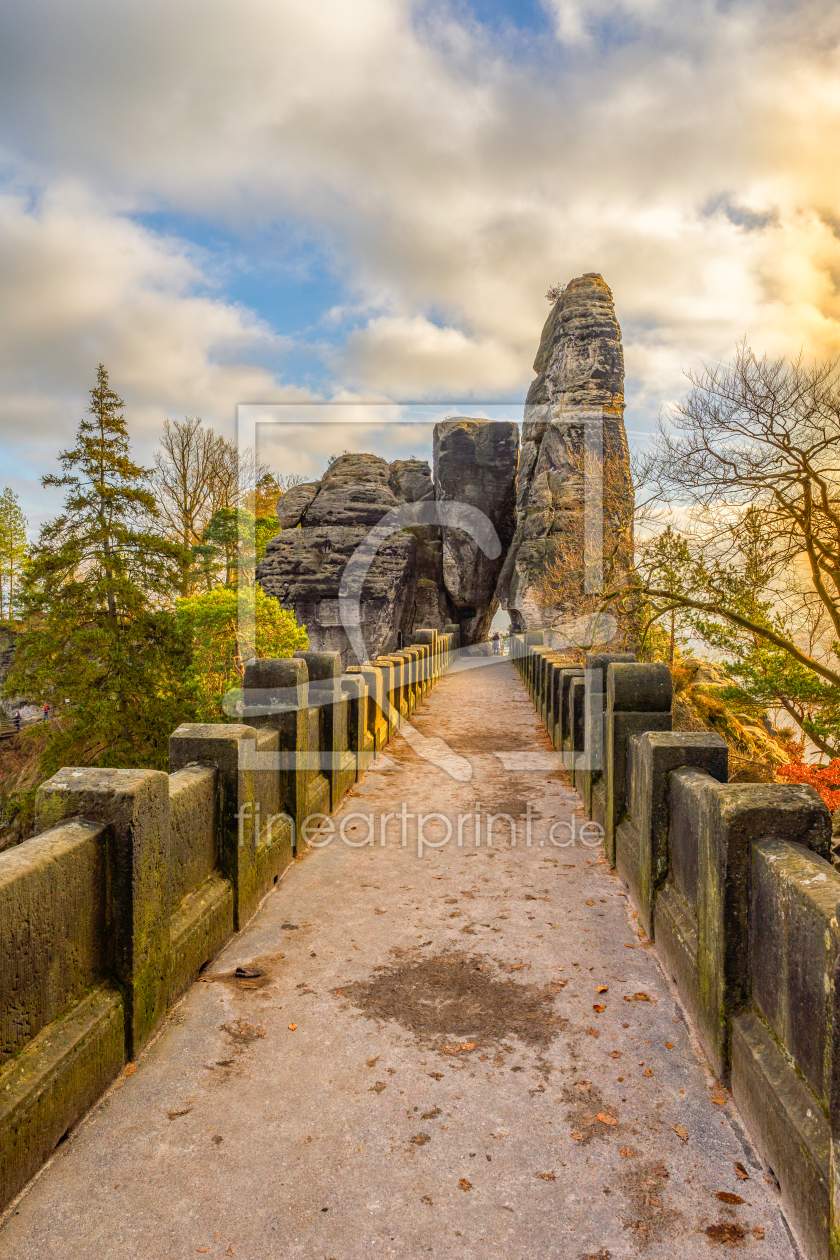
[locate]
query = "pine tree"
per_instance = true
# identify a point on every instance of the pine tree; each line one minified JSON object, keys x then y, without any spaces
{"x":102,"y":643}
{"x":12,"y":550}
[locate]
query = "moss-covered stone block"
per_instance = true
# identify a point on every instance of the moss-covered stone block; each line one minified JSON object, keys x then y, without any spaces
{"x":133,"y":805}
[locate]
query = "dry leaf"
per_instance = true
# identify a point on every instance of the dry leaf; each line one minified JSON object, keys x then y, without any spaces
{"x":726,"y":1233}
{"x":547,"y":1176}
{"x":590,"y":903}
{"x":577,"y":1136}
{"x":647,"y":1072}
{"x":129,"y":1068}
{"x":615,"y":1054}
{"x":292,"y":1027}
{"x":741,"y":1172}
{"x":602,"y":988}
{"x":373,"y":1062}
{"x":605,"y":1119}
{"x":464,"y":1184}
{"x":758,"y":1232}
{"x":599,"y":1008}
{"x":668,"y":1045}
{"x":626,"y":1153}
{"x":719,"y":1102}
{"x":626,"y":946}
{"x":637,"y":997}
{"x":726,"y":1196}
{"x":420,"y":1139}
{"x":594,"y":1032}
{"x":681,"y":1132}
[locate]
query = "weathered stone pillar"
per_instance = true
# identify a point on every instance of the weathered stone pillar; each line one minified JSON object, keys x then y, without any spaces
{"x":595,"y":665}
{"x":638,"y":699}
{"x":134,"y":806}
{"x":641,"y":845}
{"x":277,"y":698}
{"x":232,"y":749}
{"x":325,"y":693}
{"x":359,"y":741}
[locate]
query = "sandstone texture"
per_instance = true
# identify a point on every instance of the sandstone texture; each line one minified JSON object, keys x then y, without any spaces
{"x":475,"y":464}
{"x":577,"y":399}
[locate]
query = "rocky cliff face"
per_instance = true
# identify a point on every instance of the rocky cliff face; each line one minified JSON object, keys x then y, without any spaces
{"x":423,"y":575}
{"x":573,"y":441}
{"x":475,"y":463}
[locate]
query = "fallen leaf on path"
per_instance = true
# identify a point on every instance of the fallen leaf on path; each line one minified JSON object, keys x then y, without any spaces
{"x":681,"y":1132}
{"x":373,"y":1062}
{"x":726,"y":1196}
{"x":626,"y":1152}
{"x":758,"y":1232}
{"x":647,"y":1072}
{"x":602,"y":988}
{"x":292,"y":1027}
{"x":637,"y":997}
{"x":420,"y":1139}
{"x":599,"y":1008}
{"x":430,"y":1115}
{"x":173,"y":1115}
{"x":377,"y":1088}
{"x":668,"y":1045}
{"x":426,"y":1199}
{"x":605,"y":1119}
{"x":590,"y":903}
{"x":726,"y":1233}
{"x":719,"y":1102}
{"x":577,"y":1136}
{"x":129,"y":1068}
{"x":464,"y":1184}
{"x":594,"y":1032}
{"x":626,"y":946}
{"x":547,"y":1176}
{"x":615,"y":1054}
{"x":741,"y":1172}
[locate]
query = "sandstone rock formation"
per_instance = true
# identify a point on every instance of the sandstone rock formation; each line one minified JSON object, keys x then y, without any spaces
{"x":421,"y":576}
{"x":475,"y":463}
{"x":574,"y":410}
{"x":564,"y":508}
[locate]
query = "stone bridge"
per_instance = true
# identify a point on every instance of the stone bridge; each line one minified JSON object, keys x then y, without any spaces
{"x":263,"y":1007}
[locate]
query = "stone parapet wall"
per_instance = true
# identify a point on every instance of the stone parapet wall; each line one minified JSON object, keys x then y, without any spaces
{"x":137,"y":878}
{"x":733,"y":884}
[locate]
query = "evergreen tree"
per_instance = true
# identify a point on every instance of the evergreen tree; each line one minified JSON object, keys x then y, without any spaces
{"x":12,"y":550}
{"x":102,"y":643}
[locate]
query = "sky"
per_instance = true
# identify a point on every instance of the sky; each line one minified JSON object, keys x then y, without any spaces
{"x":274,"y":202}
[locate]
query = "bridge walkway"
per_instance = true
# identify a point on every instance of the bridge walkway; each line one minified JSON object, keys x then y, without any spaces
{"x":467,"y":1052}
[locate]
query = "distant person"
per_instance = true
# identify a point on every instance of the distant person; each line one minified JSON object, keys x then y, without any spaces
{"x":497,"y":643}
{"x":17,"y":719}
{"x":46,"y":712}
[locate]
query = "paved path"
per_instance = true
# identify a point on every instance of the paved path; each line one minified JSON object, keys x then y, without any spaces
{"x":438,"y":1057}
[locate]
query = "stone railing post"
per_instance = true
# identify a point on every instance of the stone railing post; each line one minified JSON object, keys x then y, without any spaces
{"x":231,"y":748}
{"x":325,"y":694}
{"x":595,"y":668}
{"x":641,"y":845}
{"x":277,"y":698}
{"x":359,"y":740}
{"x":134,"y":807}
{"x":638,"y":699}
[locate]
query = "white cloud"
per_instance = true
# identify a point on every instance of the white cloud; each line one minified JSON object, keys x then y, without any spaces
{"x":687,"y":150}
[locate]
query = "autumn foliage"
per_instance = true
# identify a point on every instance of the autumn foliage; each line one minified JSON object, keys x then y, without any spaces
{"x":826,"y":779}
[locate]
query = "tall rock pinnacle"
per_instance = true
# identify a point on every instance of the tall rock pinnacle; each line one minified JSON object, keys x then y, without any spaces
{"x":574,"y":490}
